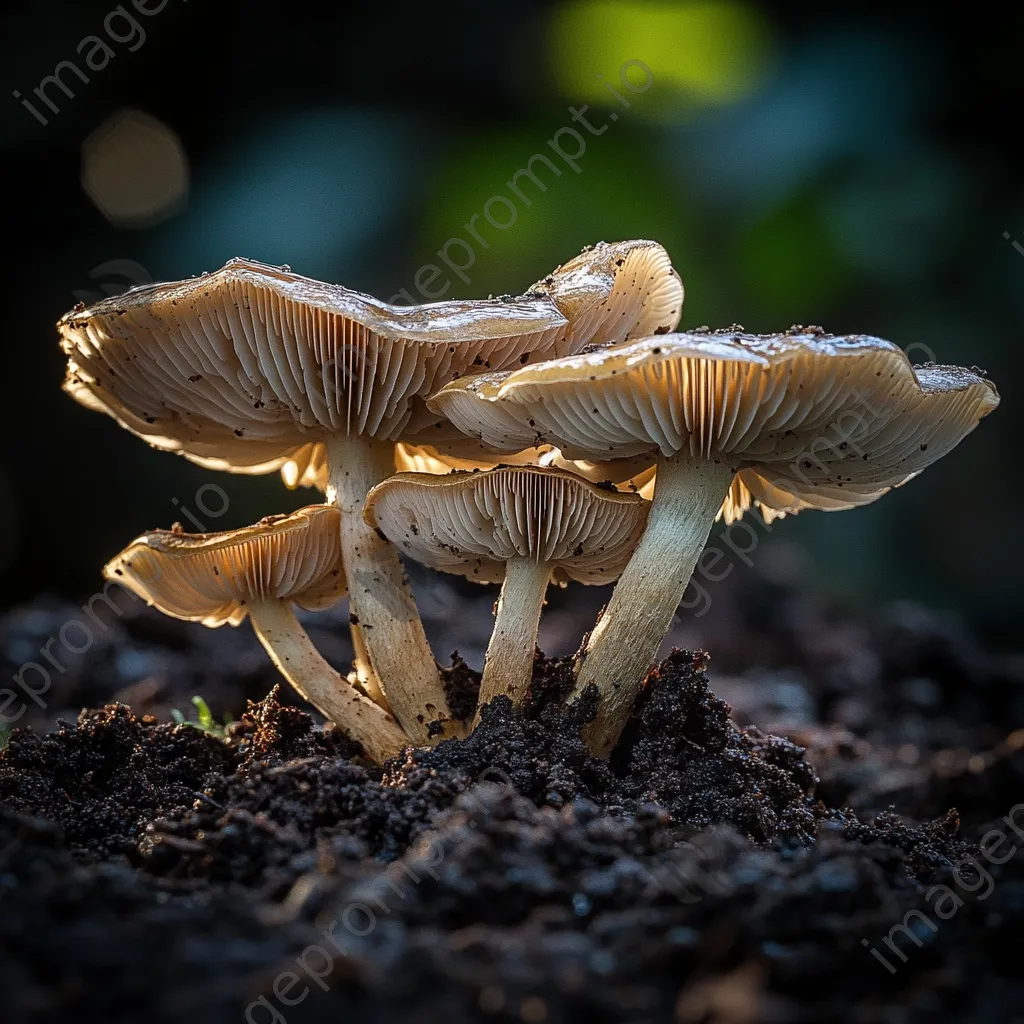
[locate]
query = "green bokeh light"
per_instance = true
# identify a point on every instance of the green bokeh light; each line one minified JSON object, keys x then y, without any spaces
{"x":700,"y":52}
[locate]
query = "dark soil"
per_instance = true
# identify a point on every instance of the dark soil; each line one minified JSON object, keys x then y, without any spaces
{"x":153,"y":872}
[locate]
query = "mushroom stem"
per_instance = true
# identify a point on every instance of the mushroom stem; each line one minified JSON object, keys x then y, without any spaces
{"x":624,"y":644}
{"x":508,"y":664}
{"x":299,"y":661}
{"x":379,"y":594}
{"x":364,"y":670}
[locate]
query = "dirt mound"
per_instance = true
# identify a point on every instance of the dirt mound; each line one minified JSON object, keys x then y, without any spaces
{"x":153,"y":871}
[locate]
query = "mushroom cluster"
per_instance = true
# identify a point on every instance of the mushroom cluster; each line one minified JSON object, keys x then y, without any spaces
{"x":565,"y":435}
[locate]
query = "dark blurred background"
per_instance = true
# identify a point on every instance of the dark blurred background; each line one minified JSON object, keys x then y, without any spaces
{"x":852,"y":166}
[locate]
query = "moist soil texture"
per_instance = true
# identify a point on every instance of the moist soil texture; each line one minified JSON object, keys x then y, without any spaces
{"x":855,"y":855}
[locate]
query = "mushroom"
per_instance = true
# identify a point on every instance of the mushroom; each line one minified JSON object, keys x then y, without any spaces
{"x":522,"y":526}
{"x":791,"y":421}
{"x":260,"y":571}
{"x":244,"y":368}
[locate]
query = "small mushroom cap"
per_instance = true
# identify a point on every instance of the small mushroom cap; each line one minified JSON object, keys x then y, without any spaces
{"x":212,"y":577}
{"x":237,"y":368}
{"x":808,"y":420}
{"x":471,"y":524}
{"x":615,"y":291}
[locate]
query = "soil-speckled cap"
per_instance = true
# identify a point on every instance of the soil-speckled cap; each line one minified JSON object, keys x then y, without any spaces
{"x":806,"y":419}
{"x":241,"y":368}
{"x":212,"y":577}
{"x":614,"y":291}
{"x":473,"y":523}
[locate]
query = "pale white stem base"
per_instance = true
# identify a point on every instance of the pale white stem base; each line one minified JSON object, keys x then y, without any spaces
{"x":624,"y":644}
{"x":379,"y":594}
{"x":508,"y":664}
{"x":299,"y":661}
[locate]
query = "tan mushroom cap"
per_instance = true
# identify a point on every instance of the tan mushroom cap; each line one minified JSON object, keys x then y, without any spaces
{"x":612,"y":292}
{"x":240,"y":369}
{"x":212,"y":577}
{"x":807,"y":419}
{"x":471,"y":524}
{"x":235,"y":367}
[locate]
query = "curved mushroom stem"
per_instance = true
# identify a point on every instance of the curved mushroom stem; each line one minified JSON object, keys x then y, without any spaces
{"x":296,"y":658}
{"x":624,"y":644}
{"x":379,"y":594}
{"x":364,"y":670}
{"x":508,"y":664}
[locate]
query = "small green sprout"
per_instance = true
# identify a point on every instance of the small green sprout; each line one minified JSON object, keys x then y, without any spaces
{"x":206,"y":722}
